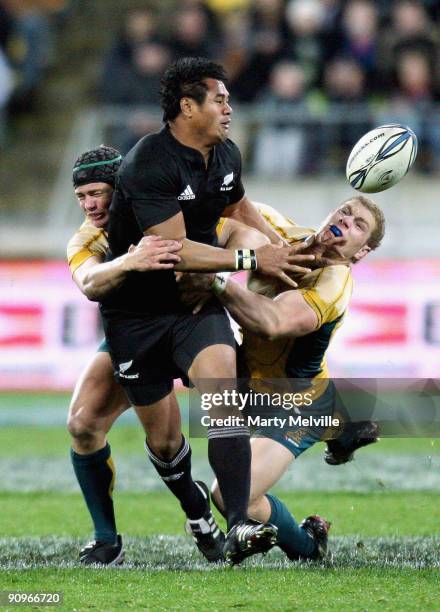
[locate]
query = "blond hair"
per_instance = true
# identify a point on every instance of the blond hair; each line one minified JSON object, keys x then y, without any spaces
{"x":379,"y":231}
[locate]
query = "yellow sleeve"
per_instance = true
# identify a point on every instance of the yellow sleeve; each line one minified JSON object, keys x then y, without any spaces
{"x":87,"y":242}
{"x":328,"y":291}
{"x":285,"y":227}
{"x":220,"y":226}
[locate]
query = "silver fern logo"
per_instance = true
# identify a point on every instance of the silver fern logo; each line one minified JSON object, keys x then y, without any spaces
{"x":227,"y":182}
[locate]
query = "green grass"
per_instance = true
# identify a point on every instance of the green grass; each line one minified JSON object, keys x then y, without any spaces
{"x":383,"y":553}
{"x":128,"y":439}
{"x":384,"y":513}
{"x":296,"y":589}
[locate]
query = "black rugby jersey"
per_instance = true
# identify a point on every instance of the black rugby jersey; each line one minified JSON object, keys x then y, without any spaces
{"x":158,"y":178}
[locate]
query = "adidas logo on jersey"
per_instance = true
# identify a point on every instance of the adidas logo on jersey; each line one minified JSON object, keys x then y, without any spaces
{"x":187,"y":194}
{"x":227,"y":186}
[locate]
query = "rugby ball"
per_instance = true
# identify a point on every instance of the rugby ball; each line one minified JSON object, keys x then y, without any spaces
{"x":381,"y":158}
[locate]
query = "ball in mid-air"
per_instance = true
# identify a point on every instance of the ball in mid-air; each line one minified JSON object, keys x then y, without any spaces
{"x":381,"y":158}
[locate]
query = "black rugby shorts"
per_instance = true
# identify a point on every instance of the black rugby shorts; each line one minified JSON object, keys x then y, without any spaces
{"x":149,"y":352}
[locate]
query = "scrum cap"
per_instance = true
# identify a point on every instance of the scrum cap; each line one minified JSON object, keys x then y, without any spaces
{"x":96,"y":166}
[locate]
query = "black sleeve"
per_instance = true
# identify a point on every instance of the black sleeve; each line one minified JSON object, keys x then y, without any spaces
{"x":238,"y":191}
{"x":152,"y":192}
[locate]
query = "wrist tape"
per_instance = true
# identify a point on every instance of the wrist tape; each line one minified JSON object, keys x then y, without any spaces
{"x":219,"y":284}
{"x":245,"y":259}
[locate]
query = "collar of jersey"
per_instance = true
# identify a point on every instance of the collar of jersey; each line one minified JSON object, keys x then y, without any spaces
{"x":187,"y":152}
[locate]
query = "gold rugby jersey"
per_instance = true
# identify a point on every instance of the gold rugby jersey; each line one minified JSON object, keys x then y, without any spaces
{"x":327,"y":290}
{"x":88,"y":241}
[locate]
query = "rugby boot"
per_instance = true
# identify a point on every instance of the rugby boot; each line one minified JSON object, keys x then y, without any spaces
{"x":208,"y":536}
{"x":248,"y":538}
{"x":356,"y":436}
{"x":102,"y":553}
{"x":318,"y":529}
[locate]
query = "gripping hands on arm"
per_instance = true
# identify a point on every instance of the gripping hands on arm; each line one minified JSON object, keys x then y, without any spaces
{"x":273,"y":260}
{"x":96,"y":279}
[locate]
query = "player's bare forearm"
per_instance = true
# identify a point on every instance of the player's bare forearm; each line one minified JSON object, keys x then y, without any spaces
{"x":288,"y":315}
{"x":246,"y":212}
{"x":198,"y":257}
{"x":253,"y":312}
{"x":194,"y":256}
{"x":96,"y":280}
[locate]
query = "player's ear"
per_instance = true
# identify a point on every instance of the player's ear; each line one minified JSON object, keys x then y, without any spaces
{"x":186,"y":107}
{"x":361,"y":253}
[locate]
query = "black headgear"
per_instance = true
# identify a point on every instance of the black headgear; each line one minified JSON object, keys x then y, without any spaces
{"x":96,"y":166}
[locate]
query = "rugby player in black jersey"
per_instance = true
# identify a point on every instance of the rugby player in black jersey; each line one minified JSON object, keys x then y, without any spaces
{"x":176,"y":184}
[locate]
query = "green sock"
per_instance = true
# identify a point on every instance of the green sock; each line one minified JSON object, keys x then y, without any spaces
{"x":95,"y":474}
{"x":292,"y":539}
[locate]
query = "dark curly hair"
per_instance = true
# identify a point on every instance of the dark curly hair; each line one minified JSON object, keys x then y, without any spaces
{"x":184,"y":78}
{"x":96,"y":166}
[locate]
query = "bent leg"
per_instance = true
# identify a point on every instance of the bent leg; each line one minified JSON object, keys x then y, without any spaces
{"x":170,"y":453}
{"x":270,"y":460}
{"x":97,"y":401}
{"x":162,"y":425}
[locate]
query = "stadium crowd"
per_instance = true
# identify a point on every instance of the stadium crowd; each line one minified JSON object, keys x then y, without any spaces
{"x":313,"y":75}
{"x":27,"y":29}
{"x":318,"y":73}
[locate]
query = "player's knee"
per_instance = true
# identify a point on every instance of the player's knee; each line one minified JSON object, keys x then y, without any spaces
{"x":164,"y":447}
{"x":84,"y":433}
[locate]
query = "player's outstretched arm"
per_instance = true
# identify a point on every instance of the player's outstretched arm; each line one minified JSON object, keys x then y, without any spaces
{"x":288,"y":315}
{"x":96,"y":279}
{"x":273,"y":260}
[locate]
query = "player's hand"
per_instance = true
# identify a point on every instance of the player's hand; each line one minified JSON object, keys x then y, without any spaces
{"x":326,"y":248}
{"x":152,"y":253}
{"x":194,"y":289}
{"x":281,"y":261}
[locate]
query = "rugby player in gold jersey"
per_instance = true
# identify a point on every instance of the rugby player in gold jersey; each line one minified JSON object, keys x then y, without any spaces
{"x":286,"y":334}
{"x":97,"y":399}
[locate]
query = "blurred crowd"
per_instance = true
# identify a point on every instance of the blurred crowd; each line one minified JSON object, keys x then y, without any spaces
{"x":26,"y":50}
{"x":318,"y":73}
{"x":307,"y":77}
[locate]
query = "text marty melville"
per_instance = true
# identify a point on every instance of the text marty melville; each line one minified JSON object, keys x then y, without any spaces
{"x":274,"y":422}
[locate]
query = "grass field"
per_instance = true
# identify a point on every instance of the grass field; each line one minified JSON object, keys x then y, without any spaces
{"x":385,"y":551}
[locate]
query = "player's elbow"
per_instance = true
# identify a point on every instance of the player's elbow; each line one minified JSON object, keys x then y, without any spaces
{"x":91,"y":291}
{"x":92,"y":295}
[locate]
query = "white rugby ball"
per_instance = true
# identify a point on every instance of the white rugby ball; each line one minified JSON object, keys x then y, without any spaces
{"x":381,"y":158}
